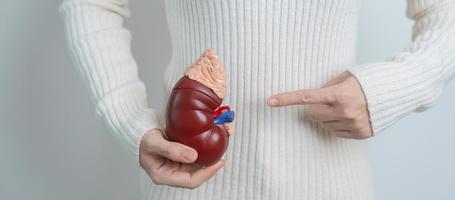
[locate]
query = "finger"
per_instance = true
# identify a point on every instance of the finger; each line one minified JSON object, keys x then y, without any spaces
{"x":229,"y":127}
{"x":185,"y":167}
{"x":334,"y":125}
{"x":204,"y":174}
{"x":321,"y":113}
{"x":343,"y":134}
{"x":171,"y":165}
{"x":363,"y":132}
{"x":188,"y":180}
{"x":340,"y":78}
{"x":302,"y":97}
{"x":174,"y":151}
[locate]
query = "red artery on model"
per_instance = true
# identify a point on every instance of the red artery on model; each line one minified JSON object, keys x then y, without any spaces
{"x":190,"y":120}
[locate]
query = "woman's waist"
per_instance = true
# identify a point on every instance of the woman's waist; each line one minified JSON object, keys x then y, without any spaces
{"x":265,"y":78}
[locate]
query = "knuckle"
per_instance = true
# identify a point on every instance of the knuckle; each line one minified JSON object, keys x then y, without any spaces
{"x":147,"y":144}
{"x":348,"y":113}
{"x":151,"y":139}
{"x":361,"y":134}
{"x":356,"y":125}
{"x":366,"y":134}
{"x":153,"y":147}
{"x":342,"y":97}
{"x":305,"y":97}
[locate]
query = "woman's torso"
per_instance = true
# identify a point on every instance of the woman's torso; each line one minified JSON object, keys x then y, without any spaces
{"x":270,"y":46}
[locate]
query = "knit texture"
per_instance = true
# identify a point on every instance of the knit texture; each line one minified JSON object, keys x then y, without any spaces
{"x":267,"y":47}
{"x":413,"y":79}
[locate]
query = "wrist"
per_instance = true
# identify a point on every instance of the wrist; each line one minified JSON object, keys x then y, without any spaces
{"x":395,"y":89}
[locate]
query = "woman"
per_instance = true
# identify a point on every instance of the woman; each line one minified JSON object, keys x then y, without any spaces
{"x":276,"y":54}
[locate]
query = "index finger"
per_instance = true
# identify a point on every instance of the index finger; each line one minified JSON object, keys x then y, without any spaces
{"x":302,"y":97}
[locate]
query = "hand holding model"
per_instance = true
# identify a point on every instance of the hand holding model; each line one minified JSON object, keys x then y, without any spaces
{"x":197,"y":128}
{"x":171,"y":163}
{"x":339,"y":106}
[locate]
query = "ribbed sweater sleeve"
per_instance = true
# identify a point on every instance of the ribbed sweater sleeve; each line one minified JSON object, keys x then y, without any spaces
{"x":100,"y":48}
{"x":413,"y":79}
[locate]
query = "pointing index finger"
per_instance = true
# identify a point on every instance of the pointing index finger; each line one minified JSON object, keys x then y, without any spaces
{"x":302,"y":97}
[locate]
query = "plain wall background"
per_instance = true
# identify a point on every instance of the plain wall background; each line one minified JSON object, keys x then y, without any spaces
{"x":52,"y":147}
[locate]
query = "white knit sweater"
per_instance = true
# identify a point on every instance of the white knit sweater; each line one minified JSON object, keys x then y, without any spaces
{"x":267,"y":46}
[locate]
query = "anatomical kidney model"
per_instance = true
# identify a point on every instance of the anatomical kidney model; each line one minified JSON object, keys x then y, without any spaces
{"x":194,"y":114}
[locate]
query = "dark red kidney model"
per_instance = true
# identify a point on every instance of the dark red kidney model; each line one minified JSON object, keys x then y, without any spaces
{"x":194,"y":114}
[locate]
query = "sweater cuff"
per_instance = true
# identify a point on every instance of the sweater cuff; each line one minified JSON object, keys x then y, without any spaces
{"x":395,"y":89}
{"x":125,"y":112}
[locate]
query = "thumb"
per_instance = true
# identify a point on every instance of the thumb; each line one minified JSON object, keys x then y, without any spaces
{"x":340,"y":78}
{"x":302,"y":97}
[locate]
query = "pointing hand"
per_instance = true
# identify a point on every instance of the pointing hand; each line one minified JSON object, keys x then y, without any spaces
{"x":339,"y":106}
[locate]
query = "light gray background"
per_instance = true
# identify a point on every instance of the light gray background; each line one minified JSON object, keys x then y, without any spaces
{"x":52,"y":147}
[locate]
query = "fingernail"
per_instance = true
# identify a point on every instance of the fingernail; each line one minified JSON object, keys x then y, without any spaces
{"x":273,"y":101}
{"x":189,"y":155}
